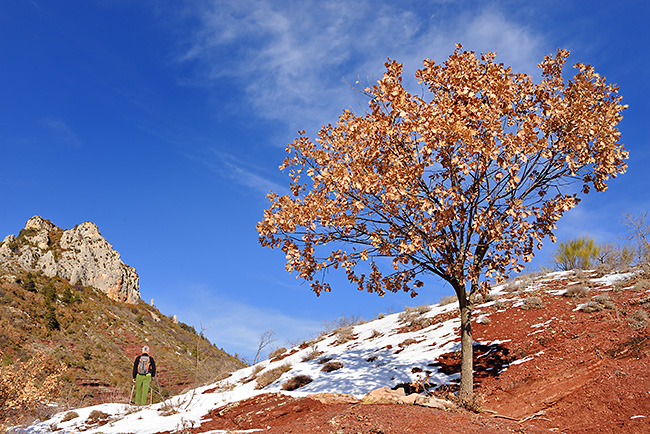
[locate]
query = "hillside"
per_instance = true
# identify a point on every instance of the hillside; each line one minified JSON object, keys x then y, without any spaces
{"x":564,"y":352}
{"x":95,"y":336}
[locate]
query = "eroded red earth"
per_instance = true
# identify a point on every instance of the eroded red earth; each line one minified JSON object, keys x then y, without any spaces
{"x":582,"y":373}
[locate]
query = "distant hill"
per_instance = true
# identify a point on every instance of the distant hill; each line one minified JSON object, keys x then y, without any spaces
{"x":66,"y":294}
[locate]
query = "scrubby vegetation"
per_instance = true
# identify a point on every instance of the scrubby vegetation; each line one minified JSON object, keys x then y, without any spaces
{"x":532,"y":303}
{"x":26,"y":386}
{"x":269,"y":376}
{"x":94,"y":340}
{"x":331,"y":366}
{"x":297,"y":382}
{"x":576,"y":254}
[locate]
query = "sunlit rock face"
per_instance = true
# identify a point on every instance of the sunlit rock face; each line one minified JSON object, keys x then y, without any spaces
{"x":79,"y":255}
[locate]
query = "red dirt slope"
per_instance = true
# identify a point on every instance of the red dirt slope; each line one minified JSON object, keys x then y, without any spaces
{"x":575,"y":372}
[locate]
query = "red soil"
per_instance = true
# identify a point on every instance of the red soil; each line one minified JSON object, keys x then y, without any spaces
{"x":585,"y":373}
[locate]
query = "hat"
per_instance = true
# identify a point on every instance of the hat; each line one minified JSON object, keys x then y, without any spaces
{"x":145,"y":349}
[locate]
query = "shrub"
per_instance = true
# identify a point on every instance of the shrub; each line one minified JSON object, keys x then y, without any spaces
{"x":344,"y":335}
{"x":533,"y":303}
{"x":448,"y":299}
{"x":604,"y":300}
{"x":69,"y":416}
{"x":277,"y":352}
{"x":97,"y":415}
{"x":296,"y":382}
{"x":29,"y":284}
{"x":518,"y":284}
{"x":620,"y":285}
{"x":576,"y":291}
{"x":49,"y":292}
{"x":24,"y":385}
{"x":268,"y":377}
{"x":324,"y":360}
{"x":256,"y":370}
{"x":51,"y":321}
{"x":641,"y":285}
{"x":614,"y":258}
{"x":340,"y":322}
{"x":486,"y":298}
{"x":67,"y":297}
{"x":312,"y":355}
{"x":639,"y":319}
{"x":187,"y":328}
{"x":407,"y":342}
{"x":331,"y":366}
{"x":576,"y":254}
{"x":413,"y":317}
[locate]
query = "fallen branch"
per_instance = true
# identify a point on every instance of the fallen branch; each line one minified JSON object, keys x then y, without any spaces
{"x":534,"y":415}
{"x":525,"y":419}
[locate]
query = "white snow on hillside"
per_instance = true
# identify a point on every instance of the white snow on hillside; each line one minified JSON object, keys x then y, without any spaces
{"x":378,"y":354}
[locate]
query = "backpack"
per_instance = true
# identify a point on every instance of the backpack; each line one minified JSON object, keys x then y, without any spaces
{"x":143,"y":365}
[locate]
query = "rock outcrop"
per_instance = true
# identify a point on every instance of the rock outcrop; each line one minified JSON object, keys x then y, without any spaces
{"x":80,"y":254}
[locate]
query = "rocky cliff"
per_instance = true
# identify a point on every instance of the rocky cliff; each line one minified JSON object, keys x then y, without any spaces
{"x":80,"y":255}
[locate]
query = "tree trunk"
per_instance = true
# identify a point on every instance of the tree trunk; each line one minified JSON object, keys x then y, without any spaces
{"x":466,"y":392}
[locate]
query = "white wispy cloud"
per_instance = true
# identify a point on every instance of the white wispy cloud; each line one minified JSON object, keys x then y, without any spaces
{"x":244,"y":173}
{"x":289,"y":57}
{"x":60,"y":133}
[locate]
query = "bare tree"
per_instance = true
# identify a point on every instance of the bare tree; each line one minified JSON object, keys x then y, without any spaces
{"x":266,"y":339}
{"x":199,"y":337}
{"x":638,"y":234}
{"x":461,"y":183}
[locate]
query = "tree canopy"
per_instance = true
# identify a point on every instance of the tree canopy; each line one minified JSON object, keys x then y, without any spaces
{"x":461,"y":182}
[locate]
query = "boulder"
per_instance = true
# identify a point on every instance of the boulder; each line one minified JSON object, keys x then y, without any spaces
{"x":386,"y":395}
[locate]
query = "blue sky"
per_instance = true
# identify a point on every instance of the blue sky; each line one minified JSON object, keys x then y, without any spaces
{"x":164,"y":122}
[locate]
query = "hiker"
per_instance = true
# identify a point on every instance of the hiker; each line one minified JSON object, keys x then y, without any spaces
{"x":144,"y":368}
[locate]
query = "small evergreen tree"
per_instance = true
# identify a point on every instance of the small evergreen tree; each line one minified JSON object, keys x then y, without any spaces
{"x":29,"y":284}
{"x":51,"y":321}
{"x":67,"y":297}
{"x":49,"y":293}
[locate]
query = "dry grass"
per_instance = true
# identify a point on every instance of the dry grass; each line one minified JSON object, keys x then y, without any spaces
{"x":69,"y":416}
{"x":641,"y":285}
{"x":639,"y":319}
{"x":533,"y":303}
{"x":448,"y":299}
{"x":312,"y":355}
{"x":604,"y":300}
{"x":24,"y":386}
{"x":269,"y":376}
{"x":344,"y":334}
{"x":331,"y":366}
{"x":578,"y":290}
{"x":277,"y":352}
{"x":97,"y":415}
{"x":296,"y":382}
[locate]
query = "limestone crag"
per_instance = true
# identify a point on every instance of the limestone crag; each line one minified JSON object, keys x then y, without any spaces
{"x":78,"y":254}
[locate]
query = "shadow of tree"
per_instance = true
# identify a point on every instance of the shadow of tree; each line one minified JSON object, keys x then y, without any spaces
{"x":489,"y":361}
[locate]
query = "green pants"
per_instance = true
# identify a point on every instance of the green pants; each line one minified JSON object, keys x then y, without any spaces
{"x":142,"y":383}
